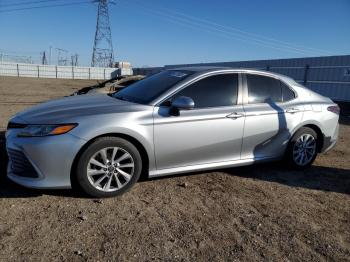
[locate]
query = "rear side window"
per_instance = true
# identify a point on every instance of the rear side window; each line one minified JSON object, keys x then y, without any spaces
{"x":213,"y":91}
{"x":287,"y":94}
{"x":263,"y":88}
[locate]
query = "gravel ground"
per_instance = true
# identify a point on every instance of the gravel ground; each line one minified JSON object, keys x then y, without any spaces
{"x":255,"y":213}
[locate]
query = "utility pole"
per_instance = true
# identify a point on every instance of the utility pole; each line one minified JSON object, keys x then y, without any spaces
{"x":74,"y":60}
{"x":43,"y":59}
{"x":62,"y":56}
{"x":50,"y":55}
{"x":102,"y":55}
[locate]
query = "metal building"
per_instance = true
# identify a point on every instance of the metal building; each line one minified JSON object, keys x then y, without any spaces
{"x":329,"y":75}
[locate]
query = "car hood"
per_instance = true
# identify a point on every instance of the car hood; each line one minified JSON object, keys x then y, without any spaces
{"x":70,"y":108}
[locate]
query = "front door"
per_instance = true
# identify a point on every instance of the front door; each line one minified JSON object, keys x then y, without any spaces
{"x":211,"y":132}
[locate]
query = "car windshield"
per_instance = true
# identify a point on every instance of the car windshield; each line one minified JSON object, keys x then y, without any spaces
{"x":148,"y":89}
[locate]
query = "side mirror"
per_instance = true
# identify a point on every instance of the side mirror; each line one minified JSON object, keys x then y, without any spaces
{"x":181,"y":103}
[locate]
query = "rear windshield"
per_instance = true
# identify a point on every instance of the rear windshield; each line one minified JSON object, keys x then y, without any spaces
{"x":148,"y":89}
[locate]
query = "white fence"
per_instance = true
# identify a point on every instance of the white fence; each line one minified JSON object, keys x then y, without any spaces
{"x":52,"y":71}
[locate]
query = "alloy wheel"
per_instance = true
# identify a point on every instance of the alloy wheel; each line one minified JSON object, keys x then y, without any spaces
{"x":110,"y":169}
{"x":304,"y":149}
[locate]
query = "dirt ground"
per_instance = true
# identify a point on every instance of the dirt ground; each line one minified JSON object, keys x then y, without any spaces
{"x":255,"y":213}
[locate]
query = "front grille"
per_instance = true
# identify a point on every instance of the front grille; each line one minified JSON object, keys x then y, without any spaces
{"x":20,"y":164}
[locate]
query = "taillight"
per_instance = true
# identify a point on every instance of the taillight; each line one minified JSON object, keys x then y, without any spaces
{"x":334,"y":109}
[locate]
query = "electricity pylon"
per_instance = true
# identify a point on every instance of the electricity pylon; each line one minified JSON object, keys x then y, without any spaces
{"x":102,"y":55}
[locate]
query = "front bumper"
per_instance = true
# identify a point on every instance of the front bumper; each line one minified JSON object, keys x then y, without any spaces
{"x":50,"y":157}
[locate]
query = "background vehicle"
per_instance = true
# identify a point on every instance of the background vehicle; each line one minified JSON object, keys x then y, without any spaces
{"x":172,"y":122}
{"x":109,"y":86}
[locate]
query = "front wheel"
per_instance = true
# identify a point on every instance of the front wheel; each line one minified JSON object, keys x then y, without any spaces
{"x":108,"y":167}
{"x":302,"y":148}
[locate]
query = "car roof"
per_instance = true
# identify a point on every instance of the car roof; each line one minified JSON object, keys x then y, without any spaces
{"x":208,"y":69}
{"x":200,"y":68}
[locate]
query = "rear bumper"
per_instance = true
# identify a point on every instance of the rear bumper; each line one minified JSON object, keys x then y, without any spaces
{"x":330,"y":141}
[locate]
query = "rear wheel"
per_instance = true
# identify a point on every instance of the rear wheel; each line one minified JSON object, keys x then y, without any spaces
{"x":302,"y":148}
{"x":110,"y":166}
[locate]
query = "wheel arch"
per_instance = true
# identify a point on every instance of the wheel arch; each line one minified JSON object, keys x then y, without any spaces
{"x":317,"y":129}
{"x":320,"y":137}
{"x":139,"y":146}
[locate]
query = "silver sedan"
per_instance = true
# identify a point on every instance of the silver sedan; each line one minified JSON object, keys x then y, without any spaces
{"x":177,"y":121}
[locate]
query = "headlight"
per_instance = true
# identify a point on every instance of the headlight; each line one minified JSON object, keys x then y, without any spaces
{"x":45,"y":130}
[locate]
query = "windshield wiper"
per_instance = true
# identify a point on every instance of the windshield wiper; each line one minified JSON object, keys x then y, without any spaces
{"x":123,"y":98}
{"x":128,"y":99}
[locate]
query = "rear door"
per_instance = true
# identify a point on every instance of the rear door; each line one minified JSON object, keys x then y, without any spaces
{"x":272,"y":110}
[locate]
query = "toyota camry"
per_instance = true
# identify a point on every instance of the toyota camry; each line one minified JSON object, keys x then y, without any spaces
{"x":176,"y":121}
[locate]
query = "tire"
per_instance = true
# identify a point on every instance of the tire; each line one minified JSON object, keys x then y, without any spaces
{"x":296,"y":148}
{"x":108,"y":177}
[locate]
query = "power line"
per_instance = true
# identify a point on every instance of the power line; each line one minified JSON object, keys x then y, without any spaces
{"x":225,"y":31}
{"x":220,"y":32}
{"x":46,"y":6}
{"x":28,"y":3}
{"x":18,"y":52}
{"x":250,"y":34}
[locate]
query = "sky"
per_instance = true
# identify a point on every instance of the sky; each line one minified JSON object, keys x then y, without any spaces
{"x":162,"y":32}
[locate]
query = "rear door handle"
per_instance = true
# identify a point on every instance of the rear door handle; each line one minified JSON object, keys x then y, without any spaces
{"x":292,"y":110}
{"x":234,"y":115}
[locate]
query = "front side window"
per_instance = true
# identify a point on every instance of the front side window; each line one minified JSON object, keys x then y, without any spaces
{"x":213,"y":91}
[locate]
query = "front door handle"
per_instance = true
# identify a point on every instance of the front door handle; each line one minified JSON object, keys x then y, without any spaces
{"x":292,"y":110}
{"x":234,"y":115}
